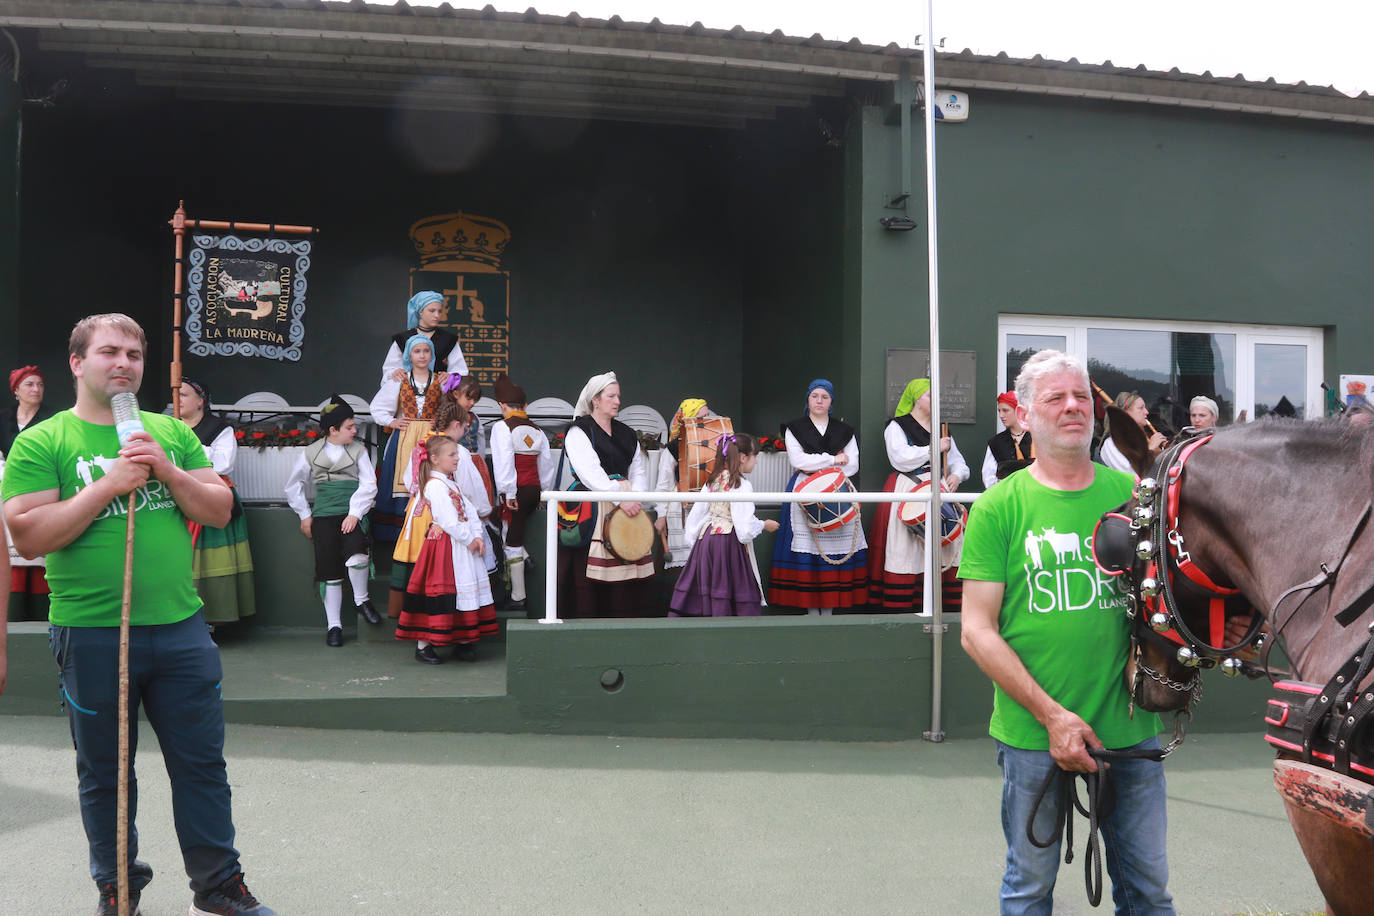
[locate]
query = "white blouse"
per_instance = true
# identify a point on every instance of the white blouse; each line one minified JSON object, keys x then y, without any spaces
{"x":463,"y":531}
{"x":359,"y":504}
{"x":747,"y":525}
{"x":503,"y":460}
{"x":222,"y":451}
{"x":387,"y":398}
{"x":577,"y":448}
{"x":906,"y":458}
{"x":811,"y":462}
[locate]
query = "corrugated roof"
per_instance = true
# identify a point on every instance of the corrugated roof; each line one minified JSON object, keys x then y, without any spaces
{"x":358,"y":53}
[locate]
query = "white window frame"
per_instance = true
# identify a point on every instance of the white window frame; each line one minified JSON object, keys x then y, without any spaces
{"x":1075,"y":333}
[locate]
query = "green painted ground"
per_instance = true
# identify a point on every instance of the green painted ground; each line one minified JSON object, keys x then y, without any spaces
{"x":337,"y":822}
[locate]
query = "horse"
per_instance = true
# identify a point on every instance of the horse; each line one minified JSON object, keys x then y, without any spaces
{"x":1264,"y":528}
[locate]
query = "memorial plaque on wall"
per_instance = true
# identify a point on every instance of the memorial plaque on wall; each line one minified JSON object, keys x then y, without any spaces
{"x":958,"y":370}
{"x":246,"y":296}
{"x":460,"y":257}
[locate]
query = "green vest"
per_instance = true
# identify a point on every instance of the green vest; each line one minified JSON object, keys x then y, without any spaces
{"x":335,"y":481}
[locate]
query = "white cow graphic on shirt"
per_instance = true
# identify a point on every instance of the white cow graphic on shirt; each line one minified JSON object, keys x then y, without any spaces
{"x":1063,"y":544}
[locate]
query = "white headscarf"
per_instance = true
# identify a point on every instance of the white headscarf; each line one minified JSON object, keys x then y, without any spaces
{"x":595,"y":385}
{"x":1203,"y":401}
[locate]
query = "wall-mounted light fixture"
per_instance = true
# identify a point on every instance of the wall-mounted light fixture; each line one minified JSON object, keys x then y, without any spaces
{"x":897,"y":223}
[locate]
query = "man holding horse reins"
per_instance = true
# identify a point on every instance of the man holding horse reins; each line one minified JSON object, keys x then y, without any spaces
{"x":1050,"y":631}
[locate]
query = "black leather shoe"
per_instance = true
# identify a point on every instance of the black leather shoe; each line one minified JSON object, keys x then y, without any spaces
{"x":515,"y":605}
{"x":334,"y":637}
{"x":465,"y":652}
{"x":427,"y":656}
{"x":369,"y":612}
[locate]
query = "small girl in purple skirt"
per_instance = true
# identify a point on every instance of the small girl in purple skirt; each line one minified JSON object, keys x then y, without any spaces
{"x":721,"y":578}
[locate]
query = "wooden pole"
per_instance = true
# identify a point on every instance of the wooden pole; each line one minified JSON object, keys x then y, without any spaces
{"x":178,"y":223}
{"x":122,"y":791}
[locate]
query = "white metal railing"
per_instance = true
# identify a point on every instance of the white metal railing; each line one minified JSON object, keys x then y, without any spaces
{"x":735,"y":496}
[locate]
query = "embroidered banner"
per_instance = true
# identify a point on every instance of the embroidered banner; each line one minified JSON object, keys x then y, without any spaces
{"x":246,"y":296}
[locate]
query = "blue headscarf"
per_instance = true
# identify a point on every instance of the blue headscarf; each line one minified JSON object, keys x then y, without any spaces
{"x":410,"y":344}
{"x":419,"y":301}
{"x":821,"y":383}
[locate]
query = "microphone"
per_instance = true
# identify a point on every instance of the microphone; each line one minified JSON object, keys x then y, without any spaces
{"x":124,"y":406}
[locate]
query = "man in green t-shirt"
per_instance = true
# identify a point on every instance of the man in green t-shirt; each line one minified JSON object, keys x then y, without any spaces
{"x":1050,"y":630}
{"x":67,"y":487}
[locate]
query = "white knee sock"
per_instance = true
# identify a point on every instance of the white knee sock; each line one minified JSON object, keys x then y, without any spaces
{"x":517,"y":579}
{"x":357,"y":576}
{"x":420,"y":644}
{"x":333,"y":601}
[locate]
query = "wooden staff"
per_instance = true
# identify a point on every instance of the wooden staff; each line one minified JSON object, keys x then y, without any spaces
{"x":122,"y":789}
{"x":944,"y":456}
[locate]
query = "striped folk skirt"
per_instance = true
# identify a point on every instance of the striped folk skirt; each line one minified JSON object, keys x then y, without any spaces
{"x":222,"y":567}
{"x":445,"y":604}
{"x":810,"y":580}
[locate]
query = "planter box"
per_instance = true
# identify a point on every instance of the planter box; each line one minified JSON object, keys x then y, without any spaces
{"x":771,"y":473}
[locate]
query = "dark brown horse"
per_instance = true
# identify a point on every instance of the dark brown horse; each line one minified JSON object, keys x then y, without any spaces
{"x":1280,"y":512}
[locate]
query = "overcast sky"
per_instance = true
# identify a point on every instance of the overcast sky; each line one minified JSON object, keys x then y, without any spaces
{"x":1323,"y":42}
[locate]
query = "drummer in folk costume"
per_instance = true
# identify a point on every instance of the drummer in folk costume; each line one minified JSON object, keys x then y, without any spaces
{"x":221,"y":562}
{"x":345,"y":486}
{"x":523,"y":466}
{"x":896,"y":563}
{"x":819,"y":570}
{"x":404,"y":407}
{"x":448,"y":598}
{"x":1009,"y":450}
{"x":424,"y":312}
{"x":671,"y":516}
{"x":722,"y":576}
{"x":605,"y":456}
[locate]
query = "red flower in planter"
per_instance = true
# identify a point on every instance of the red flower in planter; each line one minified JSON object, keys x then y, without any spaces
{"x":312,"y":434}
{"x":238,"y":434}
{"x":258,"y":435}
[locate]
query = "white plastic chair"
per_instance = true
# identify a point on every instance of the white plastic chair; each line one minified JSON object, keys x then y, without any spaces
{"x":259,"y":405}
{"x":549,"y":409}
{"x":644,"y":419}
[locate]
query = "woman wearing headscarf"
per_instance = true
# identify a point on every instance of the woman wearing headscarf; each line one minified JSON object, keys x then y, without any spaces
{"x":1202,"y":412}
{"x":671,"y":516}
{"x":1009,"y":450}
{"x":221,"y":562}
{"x":404,"y":407}
{"x":26,"y":384}
{"x":605,"y":456}
{"x":819,"y":570}
{"x":424,"y":312}
{"x":896,"y":562}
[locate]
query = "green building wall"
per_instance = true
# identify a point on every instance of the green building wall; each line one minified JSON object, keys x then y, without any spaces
{"x":1084,"y":208}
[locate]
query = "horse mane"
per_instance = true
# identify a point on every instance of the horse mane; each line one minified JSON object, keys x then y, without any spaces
{"x":1333,"y":445}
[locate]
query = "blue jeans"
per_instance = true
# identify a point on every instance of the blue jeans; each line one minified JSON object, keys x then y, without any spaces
{"x":174,"y":673}
{"x":1133,"y":836}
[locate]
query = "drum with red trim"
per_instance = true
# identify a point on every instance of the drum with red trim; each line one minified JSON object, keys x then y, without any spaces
{"x":827,"y":516}
{"x":953,"y":516}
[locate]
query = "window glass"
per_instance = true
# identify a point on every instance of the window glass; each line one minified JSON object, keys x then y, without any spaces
{"x":1021,"y":347}
{"x":1167,"y":368}
{"x":1280,"y":380}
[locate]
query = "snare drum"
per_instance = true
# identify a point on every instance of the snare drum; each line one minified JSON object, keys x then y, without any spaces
{"x":953,"y":516}
{"x":629,"y":538}
{"x":827,"y":516}
{"x":697,"y":450}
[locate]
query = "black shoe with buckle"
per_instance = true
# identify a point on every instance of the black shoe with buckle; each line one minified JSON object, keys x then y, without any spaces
{"x":428,"y":656}
{"x":231,"y":898}
{"x":369,"y":612}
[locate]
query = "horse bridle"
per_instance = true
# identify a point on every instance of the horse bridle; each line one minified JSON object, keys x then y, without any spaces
{"x":1148,"y":548}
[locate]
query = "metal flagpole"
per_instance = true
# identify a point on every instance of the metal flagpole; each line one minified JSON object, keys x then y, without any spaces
{"x":931,"y":596}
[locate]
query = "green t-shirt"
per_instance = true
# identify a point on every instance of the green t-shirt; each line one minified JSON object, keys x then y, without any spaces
{"x":1060,"y":614}
{"x":67,"y":454}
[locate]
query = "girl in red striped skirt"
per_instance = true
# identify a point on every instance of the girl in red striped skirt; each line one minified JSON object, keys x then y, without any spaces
{"x":448,"y":598}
